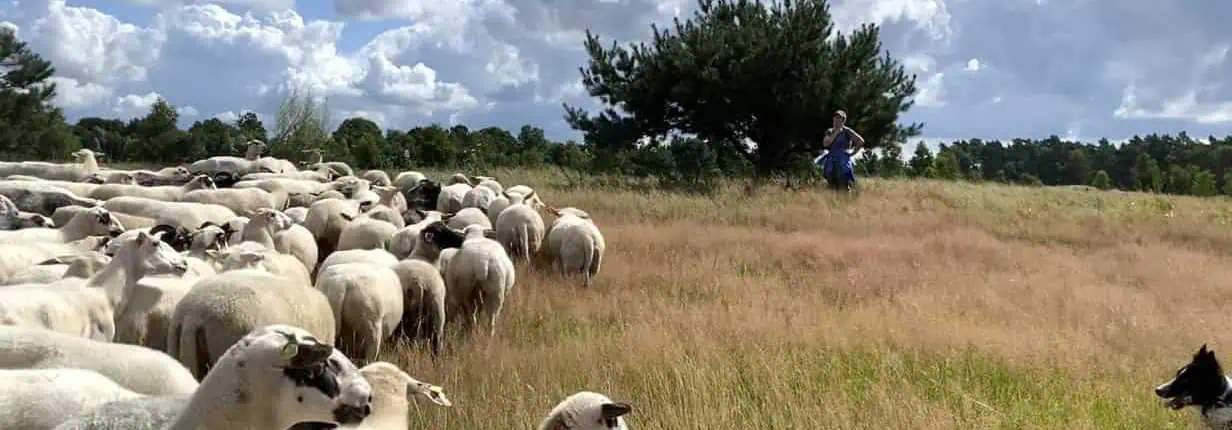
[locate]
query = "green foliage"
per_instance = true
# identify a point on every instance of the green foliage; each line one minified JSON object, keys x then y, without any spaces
{"x":302,"y":124}
{"x":738,"y":70}
{"x":1101,"y":180}
{"x":361,"y":142}
{"x":945,"y":166}
{"x":1150,"y":177}
{"x":1204,"y":184}
{"x":920,"y":161}
{"x":32,"y":127}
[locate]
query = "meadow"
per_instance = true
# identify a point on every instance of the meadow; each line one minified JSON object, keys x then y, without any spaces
{"x":915,"y":304}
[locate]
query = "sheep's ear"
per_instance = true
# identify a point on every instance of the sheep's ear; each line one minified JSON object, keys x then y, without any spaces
{"x":347,"y":216}
{"x":434,"y":393}
{"x":529,"y":196}
{"x":489,"y":233}
{"x":613,"y":410}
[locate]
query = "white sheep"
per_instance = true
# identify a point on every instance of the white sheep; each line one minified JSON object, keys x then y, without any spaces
{"x":366,"y":233}
{"x":274,"y":377}
{"x":85,"y":163}
{"x":468,"y":216}
{"x":480,"y":274}
{"x":176,"y":214}
{"x":450,"y":198}
{"x":379,"y":257}
{"x":337,"y":167}
{"x":15,"y":258}
{"x":239,"y":200}
{"x":12,"y":218}
{"x":519,"y":228}
{"x":277,"y":231}
{"x":587,"y":410}
{"x":478,"y":197}
{"x":166,"y":193}
{"x":41,"y":399}
{"x":284,"y":185}
{"x":367,"y":303}
{"x":403,"y":242}
{"x":147,"y":412}
{"x":229,"y":165}
{"x":81,"y":266}
{"x":137,"y":368}
{"x":220,"y":309}
{"x":534,"y":201}
{"x":297,"y":214}
{"x":423,"y":286}
{"x":95,"y":221}
{"x":377,"y":178}
{"x":389,"y":206}
{"x":392,"y":391}
{"x":88,"y":309}
{"x":63,"y":214}
{"x":575,"y":244}
{"x":491,"y":184}
{"x":405,"y":181}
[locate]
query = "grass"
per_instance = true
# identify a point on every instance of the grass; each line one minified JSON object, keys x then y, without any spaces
{"x":915,"y":304}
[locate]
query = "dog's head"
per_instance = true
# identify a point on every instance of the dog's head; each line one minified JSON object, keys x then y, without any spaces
{"x":1199,"y":383}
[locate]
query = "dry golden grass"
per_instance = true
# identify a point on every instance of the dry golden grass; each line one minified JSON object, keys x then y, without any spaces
{"x":915,"y":305}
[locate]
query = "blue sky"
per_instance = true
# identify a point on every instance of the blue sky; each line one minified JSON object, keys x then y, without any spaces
{"x":986,"y":68}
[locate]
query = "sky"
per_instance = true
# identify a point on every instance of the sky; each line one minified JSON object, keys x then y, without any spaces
{"x":994,"y":69}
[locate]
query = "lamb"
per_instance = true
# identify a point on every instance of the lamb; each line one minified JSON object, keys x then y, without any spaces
{"x":519,"y":228}
{"x":423,"y":286}
{"x":40,"y":399}
{"x":12,"y":218}
{"x":234,"y":167}
{"x":40,"y":198}
{"x":337,"y":167}
{"x":575,"y":244}
{"x":587,"y":410}
{"x":63,"y":214}
{"x":137,"y":368}
{"x":15,"y":258}
{"x":480,"y":274}
{"x":367,"y":303}
{"x":85,"y":163}
{"x":241,"y":201}
{"x":177,"y":214}
{"x":316,"y":383}
{"x":468,"y":216}
{"x":377,"y":178}
{"x":89,"y":309}
{"x":219,"y":310}
{"x":326,"y":219}
{"x":95,"y":221}
{"x":166,"y":193}
{"x":68,"y":266}
{"x":276,"y":231}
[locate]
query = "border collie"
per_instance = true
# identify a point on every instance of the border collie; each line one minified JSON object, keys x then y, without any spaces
{"x":1201,"y":383}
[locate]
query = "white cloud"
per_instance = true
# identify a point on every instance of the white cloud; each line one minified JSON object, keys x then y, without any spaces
{"x":973,"y":65}
{"x":72,"y":94}
{"x":931,"y":91}
{"x":133,"y":105}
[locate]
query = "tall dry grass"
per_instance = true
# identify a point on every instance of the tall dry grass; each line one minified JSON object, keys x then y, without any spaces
{"x":914,"y":305}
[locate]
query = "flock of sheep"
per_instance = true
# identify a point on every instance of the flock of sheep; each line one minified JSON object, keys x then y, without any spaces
{"x":211,"y":296}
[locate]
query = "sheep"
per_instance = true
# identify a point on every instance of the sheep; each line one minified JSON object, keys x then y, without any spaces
{"x":88,"y":309}
{"x":534,"y":201}
{"x":62,"y":215}
{"x":12,"y":218}
{"x":15,"y":258}
{"x":468,"y":216}
{"x":95,"y":221}
{"x":407,"y":180}
{"x":425,"y":195}
{"x":367,"y":303}
{"x":40,"y":399}
{"x":450,"y":198}
{"x":81,"y":189}
{"x":275,"y":230}
{"x":68,"y":266}
{"x":389,"y":207}
{"x":241,"y":201}
{"x":326,"y":219}
{"x":459,"y":178}
{"x":218,"y":311}
{"x":284,"y":185}
{"x":311,"y":381}
{"x":446,"y":256}
{"x":392,"y":391}
{"x":480,"y":274}
{"x":575,"y":244}
{"x":350,"y":186}
{"x":177,"y":214}
{"x":234,"y":167}
{"x":377,"y":178}
{"x":148,"y":412}
{"x":379,"y":257}
{"x":478,"y":197}
{"x":166,"y":193}
{"x":519,"y":228}
{"x":85,"y":163}
{"x":423,"y":286}
{"x":586,"y":410}
{"x":366,"y":233}
{"x":403,"y":242}
{"x":40,"y":198}
{"x":297,"y":214}
{"x":177,"y":175}
{"x":137,"y":368}
{"x":337,"y":167}
{"x":109,"y":176}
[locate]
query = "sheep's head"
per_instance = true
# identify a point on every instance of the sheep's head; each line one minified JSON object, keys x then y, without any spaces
{"x":299,"y":377}
{"x":97,"y":222}
{"x":587,"y":411}
{"x":459,"y":178}
{"x":276,"y":220}
{"x":201,"y":182}
{"x":224,"y":180}
{"x":178,"y":237}
{"x":440,"y":235}
{"x":94,"y":178}
{"x":85,"y":154}
{"x":569,"y":212}
{"x":391,"y":384}
{"x":386,"y":193}
{"x":34,"y":221}
{"x":417,"y":215}
{"x":209,"y":236}
{"x":425,"y":194}
{"x":156,"y":256}
{"x":238,"y":260}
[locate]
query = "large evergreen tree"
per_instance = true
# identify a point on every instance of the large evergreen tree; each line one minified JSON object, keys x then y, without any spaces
{"x":32,"y":127}
{"x":741,"y":69}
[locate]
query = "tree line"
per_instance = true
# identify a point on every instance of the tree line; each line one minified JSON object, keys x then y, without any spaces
{"x":683,"y":108}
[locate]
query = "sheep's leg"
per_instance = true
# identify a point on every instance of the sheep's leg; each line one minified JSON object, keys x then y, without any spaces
{"x":372,"y":345}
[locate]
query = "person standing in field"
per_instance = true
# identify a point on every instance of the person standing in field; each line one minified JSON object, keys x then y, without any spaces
{"x":836,"y":165}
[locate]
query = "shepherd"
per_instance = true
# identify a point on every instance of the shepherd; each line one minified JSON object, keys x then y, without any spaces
{"x":836,"y":165}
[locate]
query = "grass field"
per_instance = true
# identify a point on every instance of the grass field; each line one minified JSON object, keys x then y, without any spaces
{"x":914,"y":305}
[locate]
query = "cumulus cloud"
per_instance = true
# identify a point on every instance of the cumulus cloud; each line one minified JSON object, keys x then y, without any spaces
{"x":990,"y":69}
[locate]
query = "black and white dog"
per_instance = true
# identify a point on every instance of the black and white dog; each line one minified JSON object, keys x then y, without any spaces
{"x":1201,"y":383}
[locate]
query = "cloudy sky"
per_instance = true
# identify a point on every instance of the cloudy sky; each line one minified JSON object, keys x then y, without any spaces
{"x":986,"y":68}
